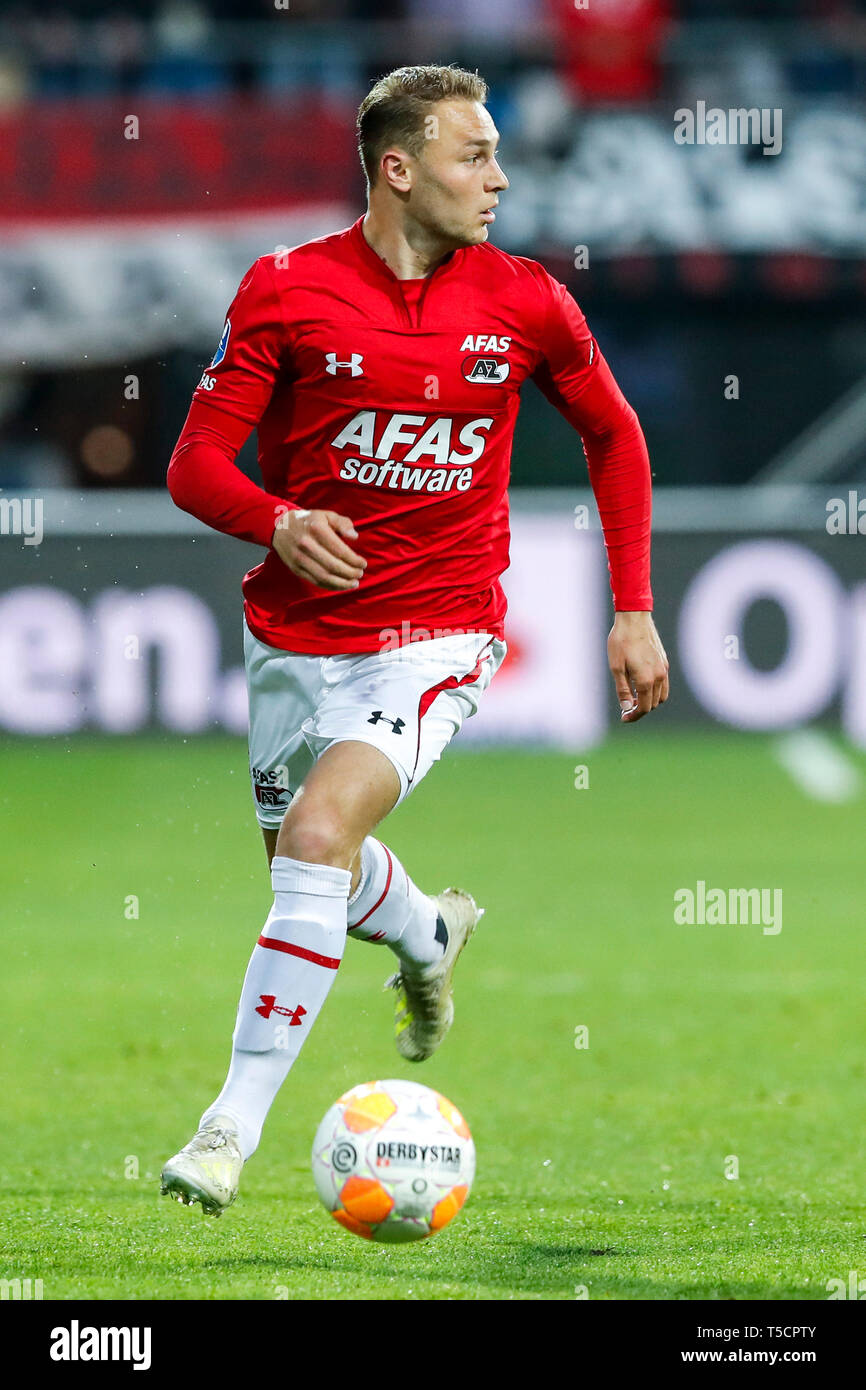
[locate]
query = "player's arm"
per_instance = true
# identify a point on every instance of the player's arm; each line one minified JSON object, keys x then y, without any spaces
{"x":578,"y":381}
{"x":203,"y":477}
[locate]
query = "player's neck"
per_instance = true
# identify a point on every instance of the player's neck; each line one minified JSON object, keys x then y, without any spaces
{"x":410,"y":255}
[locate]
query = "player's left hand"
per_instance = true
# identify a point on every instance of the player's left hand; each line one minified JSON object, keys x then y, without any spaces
{"x":639,"y":665}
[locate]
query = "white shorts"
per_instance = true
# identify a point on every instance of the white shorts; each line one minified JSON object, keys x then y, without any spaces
{"x":408,"y":702}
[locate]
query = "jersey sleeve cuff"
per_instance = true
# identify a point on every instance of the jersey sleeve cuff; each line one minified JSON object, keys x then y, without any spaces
{"x":634,"y":603}
{"x":267,"y":521}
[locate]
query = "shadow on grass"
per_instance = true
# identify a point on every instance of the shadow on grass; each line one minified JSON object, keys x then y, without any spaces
{"x":514,"y":1268}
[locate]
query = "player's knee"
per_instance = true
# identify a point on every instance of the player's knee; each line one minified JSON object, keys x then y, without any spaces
{"x":316,"y":839}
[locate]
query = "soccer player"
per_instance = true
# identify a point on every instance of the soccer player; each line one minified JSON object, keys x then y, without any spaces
{"x":382,"y":366}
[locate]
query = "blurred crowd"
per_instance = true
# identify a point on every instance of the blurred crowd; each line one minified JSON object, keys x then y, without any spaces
{"x":605,"y":49}
{"x":547,"y":61}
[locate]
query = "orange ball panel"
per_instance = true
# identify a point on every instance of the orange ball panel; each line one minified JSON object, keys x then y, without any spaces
{"x":366,"y":1199}
{"x":447,"y":1207}
{"x":360,"y":1228}
{"x":453,"y":1116}
{"x":368,"y":1112}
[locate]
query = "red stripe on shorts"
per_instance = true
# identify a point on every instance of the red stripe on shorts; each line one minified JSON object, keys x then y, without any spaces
{"x":272,"y":944}
{"x":450,"y":683}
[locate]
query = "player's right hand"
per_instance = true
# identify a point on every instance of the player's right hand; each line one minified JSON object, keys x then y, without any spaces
{"x":312,"y":545}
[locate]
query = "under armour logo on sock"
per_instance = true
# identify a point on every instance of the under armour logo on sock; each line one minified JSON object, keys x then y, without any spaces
{"x":270,"y":1006}
{"x":441,"y":932}
{"x":397,"y":725}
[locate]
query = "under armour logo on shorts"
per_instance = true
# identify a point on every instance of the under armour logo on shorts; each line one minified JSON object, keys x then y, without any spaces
{"x":397,"y":725}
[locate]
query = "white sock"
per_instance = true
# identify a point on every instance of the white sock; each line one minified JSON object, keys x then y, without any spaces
{"x":387,"y":907}
{"x":291,"y":970}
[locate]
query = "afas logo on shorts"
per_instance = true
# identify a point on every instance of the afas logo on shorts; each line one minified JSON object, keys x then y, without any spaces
{"x":271,"y":785}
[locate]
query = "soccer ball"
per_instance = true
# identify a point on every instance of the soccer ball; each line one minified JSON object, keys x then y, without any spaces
{"x":393,"y":1161}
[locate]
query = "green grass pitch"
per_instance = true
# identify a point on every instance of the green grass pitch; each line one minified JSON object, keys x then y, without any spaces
{"x":602,"y":1169}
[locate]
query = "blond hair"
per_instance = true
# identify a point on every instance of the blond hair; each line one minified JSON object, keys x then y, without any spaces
{"x":395,"y":110}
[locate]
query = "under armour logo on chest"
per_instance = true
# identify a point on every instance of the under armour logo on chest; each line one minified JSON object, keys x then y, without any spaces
{"x":353,"y":365}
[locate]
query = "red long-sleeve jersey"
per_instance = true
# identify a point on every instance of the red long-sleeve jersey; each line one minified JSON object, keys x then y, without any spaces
{"x":393,"y":402}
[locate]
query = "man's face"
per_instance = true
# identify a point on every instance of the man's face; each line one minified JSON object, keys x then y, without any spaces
{"x":456,"y":182}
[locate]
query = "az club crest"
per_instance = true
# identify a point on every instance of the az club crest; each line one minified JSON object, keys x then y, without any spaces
{"x":486,"y":371}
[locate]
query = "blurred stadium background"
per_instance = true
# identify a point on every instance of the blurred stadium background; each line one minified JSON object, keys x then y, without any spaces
{"x":149,"y":155}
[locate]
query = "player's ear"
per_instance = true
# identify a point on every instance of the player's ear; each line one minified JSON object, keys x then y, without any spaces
{"x":395,"y":170}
